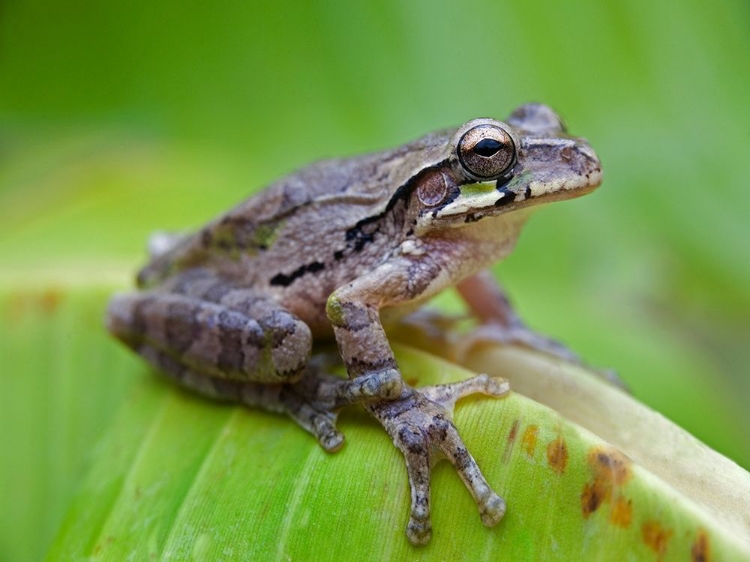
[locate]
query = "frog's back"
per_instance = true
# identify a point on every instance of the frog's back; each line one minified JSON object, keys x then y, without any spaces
{"x":305,"y":214}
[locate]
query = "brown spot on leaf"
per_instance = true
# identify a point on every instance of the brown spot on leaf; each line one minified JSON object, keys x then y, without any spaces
{"x":412,"y":381}
{"x":611,"y":465}
{"x":611,"y":469}
{"x":701,"y":549}
{"x":557,"y":455}
{"x":622,"y":512}
{"x":25,"y":302}
{"x":511,"y":440}
{"x":592,"y":497}
{"x":528,"y":442}
{"x":513,"y":433}
{"x":107,"y":542}
{"x":656,"y":537}
{"x":50,"y":300}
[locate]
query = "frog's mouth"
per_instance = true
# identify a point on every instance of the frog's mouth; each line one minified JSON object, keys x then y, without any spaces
{"x":548,"y":169}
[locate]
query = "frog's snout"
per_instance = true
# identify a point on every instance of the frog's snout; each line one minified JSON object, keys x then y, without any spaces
{"x":590,"y":167}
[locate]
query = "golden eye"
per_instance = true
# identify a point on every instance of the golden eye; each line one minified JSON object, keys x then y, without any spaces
{"x":486,"y":151}
{"x":432,"y":188}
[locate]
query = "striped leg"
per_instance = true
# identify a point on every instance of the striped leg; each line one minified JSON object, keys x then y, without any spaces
{"x":310,"y":412}
{"x":237,"y":344}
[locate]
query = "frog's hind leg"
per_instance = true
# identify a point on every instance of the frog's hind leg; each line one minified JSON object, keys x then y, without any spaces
{"x":421,"y":428}
{"x":215,"y":340}
{"x":311,"y":413}
{"x":236,"y":344}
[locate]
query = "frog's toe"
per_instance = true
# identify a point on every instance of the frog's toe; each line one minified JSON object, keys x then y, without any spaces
{"x":323,"y":426}
{"x":492,"y":511}
{"x":332,"y":441}
{"x":447,"y":394}
{"x":496,"y":386}
{"x":414,"y":444}
{"x":318,"y":421}
{"x":491,"y":506}
{"x":419,"y":532}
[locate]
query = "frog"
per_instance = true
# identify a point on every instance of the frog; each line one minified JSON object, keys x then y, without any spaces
{"x":337,"y":252}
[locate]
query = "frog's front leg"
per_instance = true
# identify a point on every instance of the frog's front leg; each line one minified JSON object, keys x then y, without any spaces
{"x":418,"y":420}
{"x":235,"y":344}
{"x":500,"y":323}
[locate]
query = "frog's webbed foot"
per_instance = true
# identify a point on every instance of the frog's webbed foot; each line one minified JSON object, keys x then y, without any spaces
{"x":313,"y":401}
{"x":421,"y":428}
{"x":313,"y":415}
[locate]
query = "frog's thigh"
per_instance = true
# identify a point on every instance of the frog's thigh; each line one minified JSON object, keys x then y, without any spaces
{"x":253,"y":339}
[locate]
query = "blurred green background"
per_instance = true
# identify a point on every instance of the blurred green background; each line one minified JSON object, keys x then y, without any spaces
{"x":117,"y":119}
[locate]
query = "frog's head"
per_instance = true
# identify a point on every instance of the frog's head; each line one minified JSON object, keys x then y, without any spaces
{"x":497,"y":167}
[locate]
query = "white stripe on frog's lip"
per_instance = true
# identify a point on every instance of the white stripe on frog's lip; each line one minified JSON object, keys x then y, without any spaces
{"x":583,"y":183}
{"x":463,"y":204}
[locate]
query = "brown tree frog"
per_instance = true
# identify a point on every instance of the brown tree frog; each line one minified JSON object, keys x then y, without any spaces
{"x":337,"y":250}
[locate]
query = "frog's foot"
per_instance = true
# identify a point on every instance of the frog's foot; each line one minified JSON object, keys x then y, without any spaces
{"x":313,"y":416}
{"x":421,"y":428}
{"x":313,"y":401}
{"x":519,"y":334}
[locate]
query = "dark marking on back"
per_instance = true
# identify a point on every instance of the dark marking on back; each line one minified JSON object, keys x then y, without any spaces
{"x":284,"y":280}
{"x":359,"y":235}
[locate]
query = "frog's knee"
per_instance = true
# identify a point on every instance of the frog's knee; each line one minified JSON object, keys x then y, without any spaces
{"x":288,"y":341}
{"x":123,"y":316}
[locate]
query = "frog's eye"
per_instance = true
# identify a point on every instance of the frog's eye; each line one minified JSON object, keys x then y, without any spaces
{"x":432,"y":188}
{"x":486,"y":151}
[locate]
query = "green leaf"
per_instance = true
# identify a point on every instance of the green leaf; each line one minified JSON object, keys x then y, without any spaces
{"x":176,"y":476}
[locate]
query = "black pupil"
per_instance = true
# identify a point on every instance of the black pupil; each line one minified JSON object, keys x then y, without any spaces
{"x":487,"y":147}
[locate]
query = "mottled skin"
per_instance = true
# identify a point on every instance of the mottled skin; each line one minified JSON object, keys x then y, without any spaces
{"x":232,"y":310}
